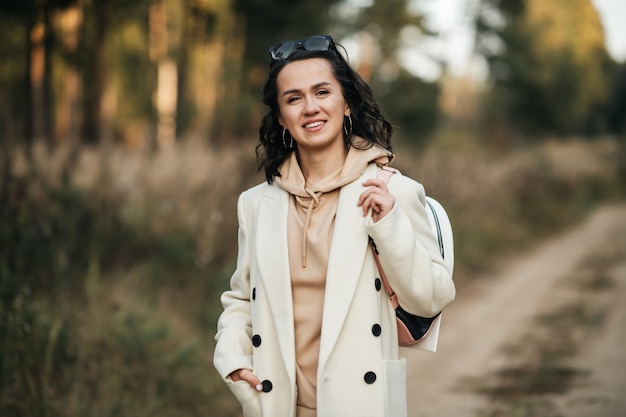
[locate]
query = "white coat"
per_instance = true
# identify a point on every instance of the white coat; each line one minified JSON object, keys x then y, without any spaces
{"x":360,"y":373}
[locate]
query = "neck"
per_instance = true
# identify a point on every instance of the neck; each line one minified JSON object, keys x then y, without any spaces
{"x":316,"y":166}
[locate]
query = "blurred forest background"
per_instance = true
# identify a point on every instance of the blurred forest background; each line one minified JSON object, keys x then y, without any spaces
{"x":128,"y":130}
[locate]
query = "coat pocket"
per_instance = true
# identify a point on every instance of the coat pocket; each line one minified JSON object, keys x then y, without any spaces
{"x":248,"y":397}
{"x":395,"y":388}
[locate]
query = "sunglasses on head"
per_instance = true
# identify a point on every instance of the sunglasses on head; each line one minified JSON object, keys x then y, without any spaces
{"x":312,"y":43}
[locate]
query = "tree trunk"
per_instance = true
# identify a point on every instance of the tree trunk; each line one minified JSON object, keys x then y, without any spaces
{"x":37,"y":68}
{"x":94,"y":73}
{"x":182,"y":62}
{"x":166,"y":94}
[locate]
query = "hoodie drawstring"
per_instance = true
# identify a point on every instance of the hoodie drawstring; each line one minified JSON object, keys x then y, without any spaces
{"x":312,"y":204}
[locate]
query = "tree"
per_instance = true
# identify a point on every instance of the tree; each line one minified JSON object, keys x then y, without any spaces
{"x":84,"y":70}
{"x":98,"y":14}
{"x":548,"y":65}
{"x":617,"y":121}
{"x":410,"y":104}
{"x":209,"y":57}
{"x":28,"y":46}
{"x":386,"y":28}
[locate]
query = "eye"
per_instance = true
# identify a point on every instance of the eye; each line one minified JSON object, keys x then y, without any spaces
{"x":323,"y":92}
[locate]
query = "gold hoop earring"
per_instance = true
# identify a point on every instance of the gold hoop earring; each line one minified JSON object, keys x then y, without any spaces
{"x":290,"y":139}
{"x":345,"y":128}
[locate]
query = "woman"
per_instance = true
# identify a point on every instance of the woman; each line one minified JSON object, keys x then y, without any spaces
{"x":306,"y":329}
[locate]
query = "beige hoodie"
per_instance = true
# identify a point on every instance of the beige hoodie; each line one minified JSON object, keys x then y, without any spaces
{"x":311,"y":219}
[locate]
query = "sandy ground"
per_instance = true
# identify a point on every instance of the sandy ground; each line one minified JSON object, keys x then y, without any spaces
{"x":552,"y":319}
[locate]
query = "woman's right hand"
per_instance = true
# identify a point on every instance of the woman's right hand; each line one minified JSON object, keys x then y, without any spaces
{"x":248,"y":376}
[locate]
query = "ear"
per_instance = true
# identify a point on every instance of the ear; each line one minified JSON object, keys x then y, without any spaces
{"x":281,"y":121}
{"x":346,"y":112}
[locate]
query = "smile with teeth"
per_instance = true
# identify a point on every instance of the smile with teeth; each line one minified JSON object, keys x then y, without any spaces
{"x":313,"y":124}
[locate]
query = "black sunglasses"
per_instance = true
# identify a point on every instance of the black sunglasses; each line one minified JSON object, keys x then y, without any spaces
{"x":312,"y":43}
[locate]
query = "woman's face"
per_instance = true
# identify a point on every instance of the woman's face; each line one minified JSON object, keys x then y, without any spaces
{"x":311,"y":104}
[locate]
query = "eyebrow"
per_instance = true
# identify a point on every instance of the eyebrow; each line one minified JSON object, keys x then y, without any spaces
{"x":313,"y":87}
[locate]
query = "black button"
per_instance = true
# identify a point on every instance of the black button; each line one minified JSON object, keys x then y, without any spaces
{"x":378,"y":284}
{"x":369,"y":377}
{"x":376,"y":329}
{"x":256,"y":340}
{"x":254,"y":293}
{"x":267,"y":385}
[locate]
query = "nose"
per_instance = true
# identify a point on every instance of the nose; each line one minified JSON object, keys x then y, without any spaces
{"x":310,"y":106}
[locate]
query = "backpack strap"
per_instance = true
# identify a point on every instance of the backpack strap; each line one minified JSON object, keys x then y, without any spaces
{"x":385,"y":173}
{"x":437,"y":227}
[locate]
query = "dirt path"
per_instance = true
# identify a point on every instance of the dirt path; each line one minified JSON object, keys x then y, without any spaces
{"x":544,"y":336}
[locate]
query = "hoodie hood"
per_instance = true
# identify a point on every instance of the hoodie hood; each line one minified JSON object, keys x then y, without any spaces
{"x":292,"y":180}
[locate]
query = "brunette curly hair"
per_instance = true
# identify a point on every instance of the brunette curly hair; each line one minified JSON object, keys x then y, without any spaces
{"x":368,"y":122}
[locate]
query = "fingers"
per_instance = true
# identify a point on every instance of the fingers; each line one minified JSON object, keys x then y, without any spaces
{"x":371,"y":202}
{"x":376,"y":183}
{"x":374,"y":187}
{"x":376,"y":198}
{"x":248,"y":376}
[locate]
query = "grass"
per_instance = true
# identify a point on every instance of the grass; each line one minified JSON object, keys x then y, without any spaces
{"x":113,"y":261}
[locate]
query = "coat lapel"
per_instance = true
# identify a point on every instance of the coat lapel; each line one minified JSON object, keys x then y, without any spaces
{"x":272,"y":250}
{"x":345,"y":262}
